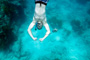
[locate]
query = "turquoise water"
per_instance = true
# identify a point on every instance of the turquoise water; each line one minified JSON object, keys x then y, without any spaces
{"x":70,"y":42}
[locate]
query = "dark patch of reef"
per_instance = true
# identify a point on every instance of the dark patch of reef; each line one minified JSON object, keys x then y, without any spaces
{"x":80,"y":27}
{"x":11,"y":16}
{"x":14,"y":12}
{"x":83,"y":2}
{"x":7,"y":37}
{"x":76,"y":26}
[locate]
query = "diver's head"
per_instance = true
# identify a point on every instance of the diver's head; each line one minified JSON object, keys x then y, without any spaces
{"x":39,"y":25}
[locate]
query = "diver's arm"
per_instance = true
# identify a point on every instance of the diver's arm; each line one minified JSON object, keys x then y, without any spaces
{"x":47,"y":33}
{"x":29,"y":29}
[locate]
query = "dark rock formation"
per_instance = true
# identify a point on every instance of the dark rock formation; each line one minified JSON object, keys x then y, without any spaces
{"x":14,"y":12}
{"x":76,"y":26}
{"x":7,"y":37}
{"x":83,"y":2}
{"x":11,"y":15}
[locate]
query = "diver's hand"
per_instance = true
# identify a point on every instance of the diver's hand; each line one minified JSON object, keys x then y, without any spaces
{"x":34,"y":38}
{"x":41,"y":39}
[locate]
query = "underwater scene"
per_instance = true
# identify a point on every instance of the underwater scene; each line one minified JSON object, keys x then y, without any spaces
{"x":69,"y":38}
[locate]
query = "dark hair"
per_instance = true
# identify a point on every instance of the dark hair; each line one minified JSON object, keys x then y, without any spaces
{"x":39,"y":25}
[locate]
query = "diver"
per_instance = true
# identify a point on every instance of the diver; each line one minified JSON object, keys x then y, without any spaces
{"x":39,"y":19}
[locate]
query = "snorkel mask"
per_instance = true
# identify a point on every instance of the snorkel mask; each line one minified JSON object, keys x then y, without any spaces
{"x":39,"y":25}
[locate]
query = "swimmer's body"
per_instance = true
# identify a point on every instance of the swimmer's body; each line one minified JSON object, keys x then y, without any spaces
{"x":39,"y":19}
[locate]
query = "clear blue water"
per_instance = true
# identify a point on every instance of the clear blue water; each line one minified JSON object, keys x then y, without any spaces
{"x":70,"y":42}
